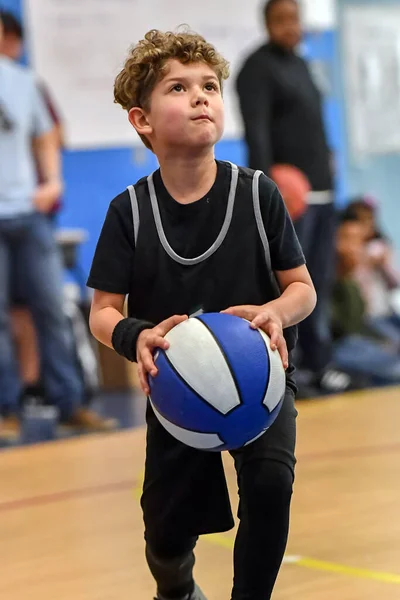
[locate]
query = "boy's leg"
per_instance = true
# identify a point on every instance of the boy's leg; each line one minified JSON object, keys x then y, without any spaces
{"x":171,"y":563}
{"x":184,"y":495}
{"x":265,"y":471}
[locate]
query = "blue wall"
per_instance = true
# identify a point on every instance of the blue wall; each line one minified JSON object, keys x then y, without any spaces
{"x":94,"y":177}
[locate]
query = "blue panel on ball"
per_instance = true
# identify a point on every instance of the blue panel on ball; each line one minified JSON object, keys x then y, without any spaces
{"x":245,"y":351}
{"x":178,"y":403}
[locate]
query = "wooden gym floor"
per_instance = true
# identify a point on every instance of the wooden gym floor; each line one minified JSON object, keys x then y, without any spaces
{"x":71,"y":528}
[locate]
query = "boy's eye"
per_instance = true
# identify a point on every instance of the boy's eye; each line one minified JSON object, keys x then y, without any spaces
{"x":211,"y":86}
{"x":178,"y":87}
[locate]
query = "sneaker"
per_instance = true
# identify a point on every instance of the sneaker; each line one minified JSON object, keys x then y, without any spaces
{"x":333,"y":381}
{"x":31,"y":395}
{"x":88,"y":421}
{"x":10,"y":429}
{"x":197,"y":594}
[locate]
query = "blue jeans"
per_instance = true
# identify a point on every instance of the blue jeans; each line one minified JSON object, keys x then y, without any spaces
{"x":29,"y":253}
{"x":359,"y":354}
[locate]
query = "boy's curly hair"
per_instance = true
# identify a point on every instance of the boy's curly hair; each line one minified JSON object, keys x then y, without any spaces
{"x":145,"y":65}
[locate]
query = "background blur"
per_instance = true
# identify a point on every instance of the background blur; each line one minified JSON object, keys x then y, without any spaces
{"x":88,"y":42}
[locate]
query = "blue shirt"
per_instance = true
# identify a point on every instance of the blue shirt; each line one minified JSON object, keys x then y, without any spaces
{"x":23,"y":116}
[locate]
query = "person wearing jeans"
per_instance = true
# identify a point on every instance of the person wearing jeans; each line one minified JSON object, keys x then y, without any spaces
{"x":28,"y":250}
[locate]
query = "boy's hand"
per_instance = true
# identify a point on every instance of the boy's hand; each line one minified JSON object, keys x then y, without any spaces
{"x":148,"y":340}
{"x":265,"y":318}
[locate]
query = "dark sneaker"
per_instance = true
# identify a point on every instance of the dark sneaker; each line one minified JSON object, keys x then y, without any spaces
{"x":197,"y":594}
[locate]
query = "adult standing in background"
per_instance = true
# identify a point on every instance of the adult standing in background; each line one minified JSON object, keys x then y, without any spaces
{"x":282,"y":113}
{"x":24,"y":333}
{"x":28,"y":250}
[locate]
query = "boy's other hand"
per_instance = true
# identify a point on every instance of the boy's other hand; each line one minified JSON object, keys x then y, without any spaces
{"x":148,"y":340}
{"x":265,"y":318}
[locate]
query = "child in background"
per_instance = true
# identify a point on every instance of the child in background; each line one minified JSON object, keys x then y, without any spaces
{"x":376,"y":274}
{"x":359,"y":347}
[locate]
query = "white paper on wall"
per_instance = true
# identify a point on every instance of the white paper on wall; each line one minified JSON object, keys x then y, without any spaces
{"x":78,"y":47}
{"x":319,"y":14}
{"x":372,"y":78}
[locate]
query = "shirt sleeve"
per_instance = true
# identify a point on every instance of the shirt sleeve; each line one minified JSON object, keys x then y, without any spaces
{"x":41,"y":119}
{"x":285,"y":248}
{"x":254,"y":90}
{"x":112,"y":264}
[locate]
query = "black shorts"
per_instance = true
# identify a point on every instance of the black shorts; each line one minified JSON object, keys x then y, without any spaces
{"x":185,"y":491}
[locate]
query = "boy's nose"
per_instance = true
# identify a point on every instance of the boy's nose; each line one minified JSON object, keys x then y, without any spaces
{"x":201,"y":99}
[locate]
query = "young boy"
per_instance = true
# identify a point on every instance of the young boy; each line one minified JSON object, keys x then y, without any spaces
{"x":191,"y":237}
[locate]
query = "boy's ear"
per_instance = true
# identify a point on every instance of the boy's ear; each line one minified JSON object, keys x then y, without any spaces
{"x":138,"y":120}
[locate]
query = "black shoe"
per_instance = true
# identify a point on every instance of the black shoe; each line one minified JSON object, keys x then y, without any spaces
{"x":31,"y":395}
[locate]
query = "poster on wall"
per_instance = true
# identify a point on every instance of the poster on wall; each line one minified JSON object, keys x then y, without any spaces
{"x":319,"y":15}
{"x":78,"y":47}
{"x":372,"y":78}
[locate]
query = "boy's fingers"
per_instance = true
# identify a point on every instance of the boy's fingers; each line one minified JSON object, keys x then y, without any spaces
{"x":143,"y":379}
{"x":157,"y":341}
{"x":274,"y":337}
{"x":245,"y":312}
{"x":282,"y":349}
{"x":260,"y":320}
{"x":165,"y":326}
{"x":148,"y":363}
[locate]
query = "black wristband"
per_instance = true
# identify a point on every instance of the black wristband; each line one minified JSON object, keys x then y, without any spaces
{"x":125,"y":335}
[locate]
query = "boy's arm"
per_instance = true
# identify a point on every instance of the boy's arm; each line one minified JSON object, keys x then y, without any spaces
{"x":298,"y":297}
{"x":105,"y":313}
{"x":132,"y":338}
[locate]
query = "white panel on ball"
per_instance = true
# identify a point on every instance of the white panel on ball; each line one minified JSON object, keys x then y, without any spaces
{"x":198,"y":359}
{"x":277,"y":378}
{"x":201,"y":441}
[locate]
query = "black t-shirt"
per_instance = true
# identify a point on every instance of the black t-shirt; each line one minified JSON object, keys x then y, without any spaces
{"x":190,"y":230}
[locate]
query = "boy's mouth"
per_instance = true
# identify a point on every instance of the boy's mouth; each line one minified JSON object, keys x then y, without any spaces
{"x":207,"y":117}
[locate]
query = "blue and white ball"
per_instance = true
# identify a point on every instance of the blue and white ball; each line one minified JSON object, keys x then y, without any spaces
{"x":219,"y":385}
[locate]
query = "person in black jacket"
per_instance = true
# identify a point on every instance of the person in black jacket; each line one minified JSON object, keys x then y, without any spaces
{"x":282,"y":114}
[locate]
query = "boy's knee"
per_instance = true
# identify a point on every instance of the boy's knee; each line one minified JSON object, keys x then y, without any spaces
{"x":169,"y":547}
{"x":269,"y":486}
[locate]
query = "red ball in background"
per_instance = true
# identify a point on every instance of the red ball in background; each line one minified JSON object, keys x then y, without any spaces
{"x":294,"y":187}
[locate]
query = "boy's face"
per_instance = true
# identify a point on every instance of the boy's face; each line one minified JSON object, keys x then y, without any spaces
{"x":186,"y":108}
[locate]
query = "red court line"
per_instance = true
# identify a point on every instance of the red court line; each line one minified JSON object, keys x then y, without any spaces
{"x":66,"y":495}
{"x":107,"y":488}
